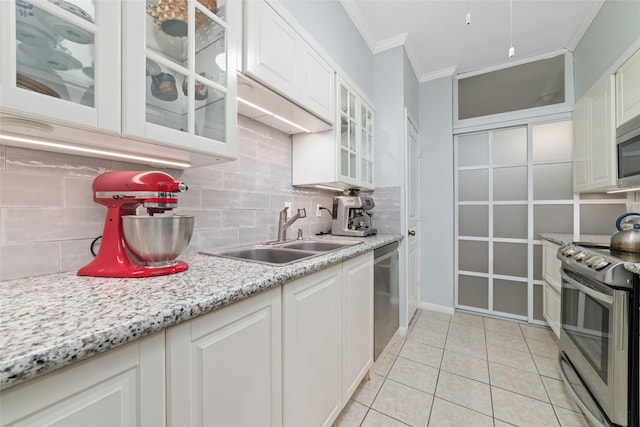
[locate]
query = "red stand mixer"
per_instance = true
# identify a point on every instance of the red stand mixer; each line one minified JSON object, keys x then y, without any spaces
{"x":135,"y":245}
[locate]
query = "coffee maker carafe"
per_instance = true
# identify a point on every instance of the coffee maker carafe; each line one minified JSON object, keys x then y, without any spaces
{"x":352,"y":216}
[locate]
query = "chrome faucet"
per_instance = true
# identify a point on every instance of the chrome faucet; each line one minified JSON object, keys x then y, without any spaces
{"x":283,"y":224}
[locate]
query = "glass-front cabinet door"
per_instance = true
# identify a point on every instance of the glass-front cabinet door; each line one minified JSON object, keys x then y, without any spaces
{"x":348,"y":133}
{"x":51,"y":52}
{"x":366,"y":145}
{"x":355,"y":139}
{"x":177,"y":88}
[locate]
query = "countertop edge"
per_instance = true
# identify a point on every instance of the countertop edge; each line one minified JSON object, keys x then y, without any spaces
{"x":18,"y":368}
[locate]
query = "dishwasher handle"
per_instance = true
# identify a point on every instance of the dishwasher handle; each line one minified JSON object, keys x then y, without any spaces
{"x":381,"y":251}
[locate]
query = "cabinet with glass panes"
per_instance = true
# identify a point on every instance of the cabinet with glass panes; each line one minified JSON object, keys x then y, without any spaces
{"x":176,"y":88}
{"x":153,"y":72}
{"x":341,"y":158}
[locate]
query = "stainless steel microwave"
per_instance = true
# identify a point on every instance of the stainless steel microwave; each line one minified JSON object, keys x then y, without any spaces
{"x":628,"y":146}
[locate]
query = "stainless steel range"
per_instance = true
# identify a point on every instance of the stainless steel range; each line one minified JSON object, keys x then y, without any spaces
{"x":599,"y":332}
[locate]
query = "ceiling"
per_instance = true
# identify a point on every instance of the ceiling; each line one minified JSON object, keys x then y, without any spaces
{"x":439,"y":42}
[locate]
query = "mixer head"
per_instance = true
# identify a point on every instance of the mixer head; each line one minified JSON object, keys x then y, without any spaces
{"x":156,"y":191}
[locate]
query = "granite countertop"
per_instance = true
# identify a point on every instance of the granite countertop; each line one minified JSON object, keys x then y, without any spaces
{"x":561,"y":239}
{"x":48,"y":322}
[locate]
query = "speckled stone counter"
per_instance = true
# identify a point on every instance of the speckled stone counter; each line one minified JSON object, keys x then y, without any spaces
{"x":48,"y":322}
{"x":561,"y":239}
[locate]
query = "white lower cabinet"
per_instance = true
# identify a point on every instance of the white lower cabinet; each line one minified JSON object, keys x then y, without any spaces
{"x":292,"y":356}
{"x":551,"y":294}
{"x":312,"y":343}
{"x":327,"y":340}
{"x":357,"y":322}
{"x":122,"y":387}
{"x":224,"y":368}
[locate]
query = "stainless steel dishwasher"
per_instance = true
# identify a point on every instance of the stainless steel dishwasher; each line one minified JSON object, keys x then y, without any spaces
{"x":386,"y":306}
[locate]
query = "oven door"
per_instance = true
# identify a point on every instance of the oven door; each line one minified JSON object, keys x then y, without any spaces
{"x":594,"y":338}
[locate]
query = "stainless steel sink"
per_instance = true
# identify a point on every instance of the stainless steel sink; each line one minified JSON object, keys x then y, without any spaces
{"x":266,"y":255}
{"x":282,"y":253}
{"x":318,"y":245}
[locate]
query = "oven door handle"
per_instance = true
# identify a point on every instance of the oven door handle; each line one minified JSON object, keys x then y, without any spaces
{"x":599,"y":296}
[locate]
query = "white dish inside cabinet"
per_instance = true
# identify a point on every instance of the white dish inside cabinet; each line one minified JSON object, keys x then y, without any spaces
{"x":50,"y":50}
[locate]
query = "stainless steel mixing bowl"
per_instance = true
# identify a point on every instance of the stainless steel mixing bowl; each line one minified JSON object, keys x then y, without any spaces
{"x":157,"y":240}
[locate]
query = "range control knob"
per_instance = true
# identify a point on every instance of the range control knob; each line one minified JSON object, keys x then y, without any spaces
{"x":588,"y":260}
{"x":569,"y":251}
{"x":598,"y":263}
{"x":580,"y":256}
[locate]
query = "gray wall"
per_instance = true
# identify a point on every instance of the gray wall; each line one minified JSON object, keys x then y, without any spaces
{"x":436,"y":137}
{"x":614,"y":29}
{"x":388,"y":102}
{"x":330,"y":26}
{"x":411,"y":88}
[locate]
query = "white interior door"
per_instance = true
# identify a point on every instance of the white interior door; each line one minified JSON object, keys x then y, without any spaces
{"x":413,"y":215}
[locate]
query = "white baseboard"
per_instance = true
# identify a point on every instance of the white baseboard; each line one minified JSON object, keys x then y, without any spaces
{"x":436,"y":307}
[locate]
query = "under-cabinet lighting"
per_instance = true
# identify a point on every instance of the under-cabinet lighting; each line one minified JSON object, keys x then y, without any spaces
{"x":623,"y":190}
{"x":326,"y":187}
{"x":282,"y":119}
{"x":87,"y":150}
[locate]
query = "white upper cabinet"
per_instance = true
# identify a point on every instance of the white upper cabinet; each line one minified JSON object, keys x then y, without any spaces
{"x":61,"y":61}
{"x":176,"y":88}
{"x":595,"y":159}
{"x":341,"y":158}
{"x":628,"y":89}
{"x":280,"y":58}
{"x":135,"y":69}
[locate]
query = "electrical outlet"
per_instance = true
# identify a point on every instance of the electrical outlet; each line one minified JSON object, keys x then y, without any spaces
{"x":318,"y":210}
{"x":288,"y":205}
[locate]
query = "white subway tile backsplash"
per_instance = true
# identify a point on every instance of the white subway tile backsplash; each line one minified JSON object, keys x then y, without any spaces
{"x":239,"y":218}
{"x":76,"y":253}
{"x":204,"y":219}
{"x":220,"y":199}
{"x":78,"y":193}
{"x":256,"y":234}
{"x":47,"y":163}
{"x":25,"y":225}
{"x":190,"y":199}
{"x":204,"y":177}
{"x":25,"y":190}
{"x":3,"y":158}
{"x":214,"y":239}
{"x":239,"y":181}
{"x":30,"y":259}
{"x":234,"y":203}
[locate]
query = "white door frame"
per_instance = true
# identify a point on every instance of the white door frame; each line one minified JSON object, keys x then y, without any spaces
{"x":412,"y":223}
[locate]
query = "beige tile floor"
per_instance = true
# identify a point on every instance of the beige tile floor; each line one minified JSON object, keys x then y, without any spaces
{"x":465,"y":370}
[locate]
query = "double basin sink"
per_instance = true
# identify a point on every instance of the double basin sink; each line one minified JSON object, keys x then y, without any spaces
{"x":283,"y":253}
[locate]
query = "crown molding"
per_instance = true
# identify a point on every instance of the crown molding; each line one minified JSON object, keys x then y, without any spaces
{"x":390,"y":43}
{"x":445,"y":72}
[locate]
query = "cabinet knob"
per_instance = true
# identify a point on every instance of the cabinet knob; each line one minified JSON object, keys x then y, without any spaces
{"x":412,"y":233}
